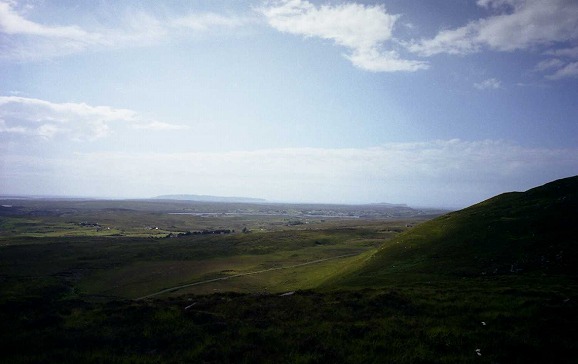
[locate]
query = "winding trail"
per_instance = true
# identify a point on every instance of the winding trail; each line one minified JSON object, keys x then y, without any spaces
{"x":176,"y":288}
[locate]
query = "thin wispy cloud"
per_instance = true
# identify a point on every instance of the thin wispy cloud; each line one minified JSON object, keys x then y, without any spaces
{"x":365,"y":30}
{"x":571,"y":53}
{"x":549,"y":64}
{"x":569,"y":70}
{"x":23,"y":39}
{"x":564,"y":65}
{"x":512,"y":25}
{"x":159,"y":125}
{"x":77,"y":121}
{"x":457,"y":171}
{"x":491,"y":84}
{"x":282,"y":99}
{"x":13,"y":23}
{"x":208,"y":21}
{"x":515,"y":24}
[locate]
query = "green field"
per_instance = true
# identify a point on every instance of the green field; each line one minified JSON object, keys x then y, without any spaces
{"x":129,"y":253}
{"x":125,"y":281}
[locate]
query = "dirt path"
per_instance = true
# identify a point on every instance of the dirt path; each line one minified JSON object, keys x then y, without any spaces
{"x":173,"y":289}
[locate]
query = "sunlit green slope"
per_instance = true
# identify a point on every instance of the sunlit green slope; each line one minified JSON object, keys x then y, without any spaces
{"x":517,"y":233}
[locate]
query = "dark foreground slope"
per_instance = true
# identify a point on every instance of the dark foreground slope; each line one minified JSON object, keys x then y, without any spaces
{"x":517,"y":233}
{"x":494,"y":283}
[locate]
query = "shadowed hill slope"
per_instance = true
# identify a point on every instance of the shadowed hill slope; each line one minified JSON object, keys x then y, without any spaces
{"x":512,"y":233}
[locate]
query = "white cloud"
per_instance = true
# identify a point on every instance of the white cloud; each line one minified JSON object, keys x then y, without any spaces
{"x":79,"y":121}
{"x":515,"y":24}
{"x":23,"y":39}
{"x":453,"y":41}
{"x":491,"y":83}
{"x":206,"y":21}
{"x":442,"y":173}
{"x":351,"y":25}
{"x":548,"y":64}
{"x":565,"y":52}
{"x":159,"y":125}
{"x":375,"y":61}
{"x":363,"y":29}
{"x":569,"y":70}
{"x":12,"y":23}
{"x":496,"y":4}
{"x":563,"y":67}
{"x":137,"y":28}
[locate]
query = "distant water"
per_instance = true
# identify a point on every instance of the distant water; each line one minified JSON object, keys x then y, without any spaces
{"x":260,"y":214}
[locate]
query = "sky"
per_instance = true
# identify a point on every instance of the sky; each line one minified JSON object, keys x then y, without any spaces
{"x":439,"y":103}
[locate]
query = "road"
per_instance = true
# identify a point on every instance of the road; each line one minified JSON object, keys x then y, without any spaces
{"x":176,"y":288}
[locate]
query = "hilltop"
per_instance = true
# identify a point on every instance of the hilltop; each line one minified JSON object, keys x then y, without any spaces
{"x":513,"y":233}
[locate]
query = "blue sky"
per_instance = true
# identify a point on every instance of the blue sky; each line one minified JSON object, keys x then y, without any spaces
{"x":430,"y":103}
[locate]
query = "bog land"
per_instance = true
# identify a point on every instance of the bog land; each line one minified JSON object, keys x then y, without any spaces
{"x":194,"y":281}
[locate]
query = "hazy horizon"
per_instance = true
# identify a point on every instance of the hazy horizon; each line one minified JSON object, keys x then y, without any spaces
{"x":344,"y":102}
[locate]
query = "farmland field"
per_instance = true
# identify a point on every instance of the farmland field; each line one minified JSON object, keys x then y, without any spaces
{"x":165,"y":281}
{"x":130,"y":249}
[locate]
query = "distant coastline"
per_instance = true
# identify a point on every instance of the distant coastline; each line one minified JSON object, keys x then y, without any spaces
{"x":205,"y":198}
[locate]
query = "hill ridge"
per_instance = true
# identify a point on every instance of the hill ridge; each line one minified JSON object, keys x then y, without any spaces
{"x":511,"y":233}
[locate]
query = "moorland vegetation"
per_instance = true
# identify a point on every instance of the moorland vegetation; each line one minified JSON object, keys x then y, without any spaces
{"x":99,"y":281}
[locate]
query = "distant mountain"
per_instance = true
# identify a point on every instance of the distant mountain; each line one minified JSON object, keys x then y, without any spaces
{"x":204,"y":198}
{"x":512,"y":233}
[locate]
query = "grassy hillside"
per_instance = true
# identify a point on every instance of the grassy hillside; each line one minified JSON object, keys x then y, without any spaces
{"x":493,"y":283}
{"x":511,"y":234}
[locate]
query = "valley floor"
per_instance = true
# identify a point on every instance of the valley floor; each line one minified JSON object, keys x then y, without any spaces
{"x":270,"y":291}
